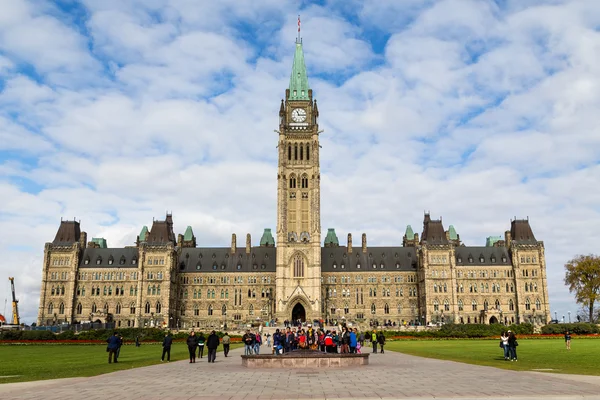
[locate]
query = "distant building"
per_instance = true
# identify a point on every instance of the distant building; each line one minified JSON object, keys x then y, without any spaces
{"x":166,"y":280}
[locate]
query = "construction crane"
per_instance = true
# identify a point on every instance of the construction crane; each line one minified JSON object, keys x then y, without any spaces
{"x":15,"y":307}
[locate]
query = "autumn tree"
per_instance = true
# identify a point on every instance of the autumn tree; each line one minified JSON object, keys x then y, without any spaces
{"x":583,"y":278}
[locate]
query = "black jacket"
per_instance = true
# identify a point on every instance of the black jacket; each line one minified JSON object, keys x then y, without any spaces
{"x":192,"y":341}
{"x":167,"y":341}
{"x":212,"y":342}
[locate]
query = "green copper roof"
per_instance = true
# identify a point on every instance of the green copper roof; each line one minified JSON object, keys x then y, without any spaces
{"x":267,"y":238}
{"x":331,"y":237}
{"x":188,"y":235}
{"x":491,"y":240}
{"x":143,"y":234}
{"x":452,"y":233}
{"x":409,"y":233}
{"x":298,"y":79}
{"x":100,"y":242}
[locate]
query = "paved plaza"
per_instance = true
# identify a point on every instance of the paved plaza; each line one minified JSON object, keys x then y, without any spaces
{"x":389,"y":376}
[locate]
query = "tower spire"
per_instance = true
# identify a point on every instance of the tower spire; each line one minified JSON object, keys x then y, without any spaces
{"x":299,"y":79}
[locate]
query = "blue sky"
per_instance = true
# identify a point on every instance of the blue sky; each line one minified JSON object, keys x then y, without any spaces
{"x":480,"y":111}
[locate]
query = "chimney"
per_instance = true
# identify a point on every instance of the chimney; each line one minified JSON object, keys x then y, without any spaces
{"x":349,"y":243}
{"x":233,"y":243}
{"x":83,"y":239}
{"x":507,"y":238}
{"x":180,"y":240}
{"x":364,"y":242}
{"x":248,"y":243}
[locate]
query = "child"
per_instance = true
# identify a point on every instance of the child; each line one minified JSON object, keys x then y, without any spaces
{"x":358,"y":346}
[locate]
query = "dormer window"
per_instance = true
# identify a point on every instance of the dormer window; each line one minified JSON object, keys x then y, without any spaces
{"x":122,"y":260}
{"x":198,"y":266}
{"x":86,"y":261}
{"x":481,"y":259}
{"x":239,"y":266}
{"x":134,"y":261}
{"x":397,"y":265}
{"x":254,"y":266}
{"x":215,"y":267}
{"x":374,"y":266}
{"x":98,"y":260}
{"x":382,"y":266}
{"x":459,"y":260}
{"x":342,"y":266}
{"x":334,"y":265}
{"x":358,"y":266}
{"x":222,"y":266}
{"x":470,"y":259}
{"x":110,"y":260}
{"x":263,"y":266}
{"x":493,"y":259}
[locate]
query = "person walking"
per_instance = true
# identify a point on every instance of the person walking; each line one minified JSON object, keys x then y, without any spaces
{"x":268,"y":340}
{"x":226,"y":341}
{"x":381,"y":341}
{"x":568,"y":340}
{"x":374,"y":341}
{"x":201,"y":341}
{"x":512,"y":346}
{"x":504,"y":340}
{"x":212,"y":342}
{"x":167,"y":342}
{"x":113,"y":345}
{"x":192,"y":343}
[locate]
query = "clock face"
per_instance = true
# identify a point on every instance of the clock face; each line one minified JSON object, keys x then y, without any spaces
{"x":299,"y":115}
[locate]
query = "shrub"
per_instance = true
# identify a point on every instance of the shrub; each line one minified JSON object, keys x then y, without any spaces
{"x":576,"y":328}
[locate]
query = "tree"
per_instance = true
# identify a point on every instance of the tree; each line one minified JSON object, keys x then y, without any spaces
{"x":583,"y":278}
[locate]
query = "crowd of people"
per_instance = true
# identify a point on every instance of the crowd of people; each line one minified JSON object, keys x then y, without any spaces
{"x":348,"y":340}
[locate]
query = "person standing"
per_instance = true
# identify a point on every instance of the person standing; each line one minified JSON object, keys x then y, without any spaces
{"x":226,"y":341}
{"x":113,"y":345}
{"x":504,"y":338}
{"x":381,"y":340}
{"x":512,"y":346}
{"x":257,"y":342}
{"x":374,"y":341}
{"x":268,"y":340}
{"x":247,"y":339}
{"x":353,"y":340}
{"x":118,"y":354}
{"x":192,"y":343}
{"x":137,"y":340}
{"x":201,"y":341}
{"x":167,"y":342}
{"x":568,"y":340}
{"x":212,"y":342}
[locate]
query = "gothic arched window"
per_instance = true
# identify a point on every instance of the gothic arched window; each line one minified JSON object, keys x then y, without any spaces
{"x":79,"y":308}
{"x":158,"y":307}
{"x":298,"y":266}
{"x":61,"y":308}
{"x":373,"y":308}
{"x":147,"y":308}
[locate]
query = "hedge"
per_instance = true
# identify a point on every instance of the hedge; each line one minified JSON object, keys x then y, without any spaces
{"x":464,"y":331}
{"x":129,"y":335}
{"x":580,"y":328}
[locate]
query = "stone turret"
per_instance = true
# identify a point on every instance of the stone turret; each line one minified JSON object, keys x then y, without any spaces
{"x":364,"y":242}
{"x":331,"y":240}
{"x":233,"y":243}
{"x":349,"y":243}
{"x":267,"y":239}
{"x":248,"y":243}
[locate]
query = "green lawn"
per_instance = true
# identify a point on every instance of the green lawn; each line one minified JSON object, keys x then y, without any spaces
{"x":533,"y":354}
{"x":36,"y":362}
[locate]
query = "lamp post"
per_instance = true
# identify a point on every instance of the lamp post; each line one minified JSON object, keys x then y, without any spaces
{"x":563,"y":319}
{"x":569,"y":312}
{"x":556,"y":316}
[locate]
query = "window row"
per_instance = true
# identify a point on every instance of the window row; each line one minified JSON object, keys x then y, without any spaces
{"x":484,"y":274}
{"x":482,"y":259}
{"x":64,"y":275}
{"x":299,"y":151}
{"x":111,"y":260}
{"x":528,"y":259}
{"x":107,"y":276}
{"x":56,"y":261}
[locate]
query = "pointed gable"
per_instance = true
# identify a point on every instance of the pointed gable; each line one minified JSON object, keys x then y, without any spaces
{"x":433,"y":231}
{"x":520,"y":231}
{"x":162,"y":232}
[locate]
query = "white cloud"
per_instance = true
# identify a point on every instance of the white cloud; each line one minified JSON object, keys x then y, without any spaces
{"x":478,"y":113}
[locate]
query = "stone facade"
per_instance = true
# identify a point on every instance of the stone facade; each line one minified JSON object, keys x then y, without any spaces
{"x":166,"y":280}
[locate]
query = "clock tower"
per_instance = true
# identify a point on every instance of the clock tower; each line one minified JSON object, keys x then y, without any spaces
{"x":298,"y":282}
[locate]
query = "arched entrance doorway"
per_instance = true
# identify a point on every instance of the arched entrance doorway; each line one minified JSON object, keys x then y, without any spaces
{"x":493,"y":320}
{"x":298,"y":313}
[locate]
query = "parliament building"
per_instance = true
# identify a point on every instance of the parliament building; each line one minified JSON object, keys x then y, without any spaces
{"x":295,"y":272}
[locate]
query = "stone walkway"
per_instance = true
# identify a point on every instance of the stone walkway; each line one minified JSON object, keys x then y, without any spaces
{"x":389,"y":376}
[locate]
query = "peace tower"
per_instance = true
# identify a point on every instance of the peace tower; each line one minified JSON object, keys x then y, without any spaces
{"x":298,"y":276}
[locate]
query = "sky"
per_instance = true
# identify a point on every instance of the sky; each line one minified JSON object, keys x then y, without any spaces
{"x":114,"y":112}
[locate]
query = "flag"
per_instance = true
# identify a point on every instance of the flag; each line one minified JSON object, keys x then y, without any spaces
{"x":298,"y":24}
